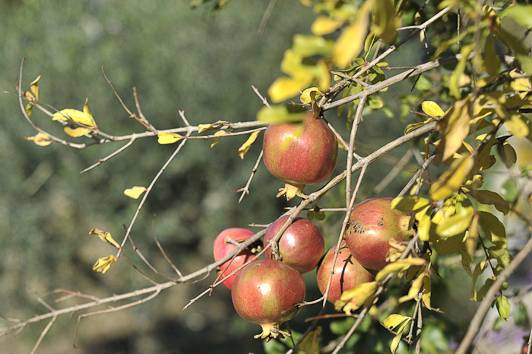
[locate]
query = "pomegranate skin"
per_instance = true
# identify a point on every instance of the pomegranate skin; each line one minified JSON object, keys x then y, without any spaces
{"x":222,"y":247}
{"x":372,"y":225}
{"x":300,"y":246}
{"x":299,"y":154}
{"x":348,"y":274}
{"x":267,"y":292}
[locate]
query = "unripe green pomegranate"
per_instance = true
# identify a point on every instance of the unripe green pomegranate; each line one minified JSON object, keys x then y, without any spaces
{"x":372,"y":225}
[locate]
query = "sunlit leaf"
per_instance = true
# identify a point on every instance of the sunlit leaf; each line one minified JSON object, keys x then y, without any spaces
{"x":309,"y":95}
{"x":455,"y":127}
{"x":278,"y":114}
{"x":73,"y":115}
{"x":244,"y":148}
{"x":32,"y":95}
{"x":325,"y":25}
{"x":395,"y":320}
{"x":352,"y":299}
{"x":216,"y":137}
{"x":452,"y":179}
{"x":399,"y":266}
{"x":168,"y":138}
{"x":76,"y":132}
{"x":415,"y":288}
{"x":456,"y":224}
{"x":521,"y":14}
{"x":432,"y":109}
{"x":517,"y":126}
{"x":103,"y":264}
{"x":311,"y":45}
{"x":41,"y":139}
{"x":503,"y":307}
{"x":104,"y":236}
{"x":351,"y":41}
{"x":385,"y":22}
{"x":134,"y":192}
{"x":454,"y":86}
{"x":286,"y":87}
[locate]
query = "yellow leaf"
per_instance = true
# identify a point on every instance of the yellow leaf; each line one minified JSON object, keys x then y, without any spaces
{"x":324,"y":75}
{"x":286,"y":87}
{"x":204,"y":127}
{"x":456,"y":224}
{"x":395,"y":343}
{"x":451,"y":180}
{"x":351,"y":41}
{"x":103,"y":264}
{"x":278,"y":114}
{"x":395,"y":320}
{"x":216,"y":138}
{"x":244,"y":148}
{"x":432,"y":109}
{"x":32,"y":94}
{"x":455,"y":128}
{"x":168,"y":138}
{"x":384,"y":21}
{"x":424,"y":224}
{"x":352,"y":299}
{"x":454,"y":80}
{"x":76,"y":132}
{"x":309,"y":95}
{"x":517,"y":126}
{"x":399,"y":266}
{"x":521,"y":84}
{"x":73,"y":115}
{"x":415,"y":288}
{"x":134,"y":192}
{"x":104,"y":236}
{"x":41,"y":139}
{"x":425,"y":296}
{"x":324,"y":25}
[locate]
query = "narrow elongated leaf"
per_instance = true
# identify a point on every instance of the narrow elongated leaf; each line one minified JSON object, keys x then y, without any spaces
{"x":451,"y":180}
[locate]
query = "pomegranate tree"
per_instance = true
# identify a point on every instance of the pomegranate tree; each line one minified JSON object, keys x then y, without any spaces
{"x":302,"y":153}
{"x":348,"y":273}
{"x":300,"y":246}
{"x":267,"y":292}
{"x":225,"y":243}
{"x":372,"y":225}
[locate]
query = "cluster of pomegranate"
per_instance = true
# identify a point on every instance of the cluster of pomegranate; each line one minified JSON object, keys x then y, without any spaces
{"x":268,"y":290}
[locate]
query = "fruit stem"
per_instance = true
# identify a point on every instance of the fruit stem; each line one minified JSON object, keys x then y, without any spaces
{"x":271,"y":330}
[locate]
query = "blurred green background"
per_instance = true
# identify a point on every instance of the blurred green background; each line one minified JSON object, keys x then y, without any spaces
{"x":199,"y":61}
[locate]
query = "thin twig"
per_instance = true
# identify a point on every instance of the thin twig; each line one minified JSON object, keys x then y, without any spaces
{"x":147,"y":192}
{"x":245,"y":190}
{"x":485,"y":305}
{"x":110,"y":156}
{"x":393,"y":172}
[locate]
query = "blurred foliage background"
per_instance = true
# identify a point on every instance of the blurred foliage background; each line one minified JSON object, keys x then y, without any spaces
{"x":199,"y":61}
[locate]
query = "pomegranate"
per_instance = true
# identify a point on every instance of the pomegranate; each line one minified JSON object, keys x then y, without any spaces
{"x":267,"y":292}
{"x":348,"y":273}
{"x":224,"y":244}
{"x":300,"y":246}
{"x":302,"y":153}
{"x":372,"y":224}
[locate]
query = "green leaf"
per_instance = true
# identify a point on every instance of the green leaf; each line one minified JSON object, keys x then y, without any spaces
{"x":384,"y":20}
{"x":510,"y":190}
{"x":503,"y":307}
{"x":521,"y":14}
{"x":311,"y":343}
{"x":432,"y":109}
{"x":492,"y":198}
{"x":507,"y":153}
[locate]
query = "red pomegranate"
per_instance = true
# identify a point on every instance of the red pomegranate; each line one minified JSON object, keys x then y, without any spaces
{"x":372,"y":224}
{"x":225,"y":244}
{"x":300,"y":246}
{"x":267,"y":292}
{"x":348,"y":273}
{"x":299,"y":154}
